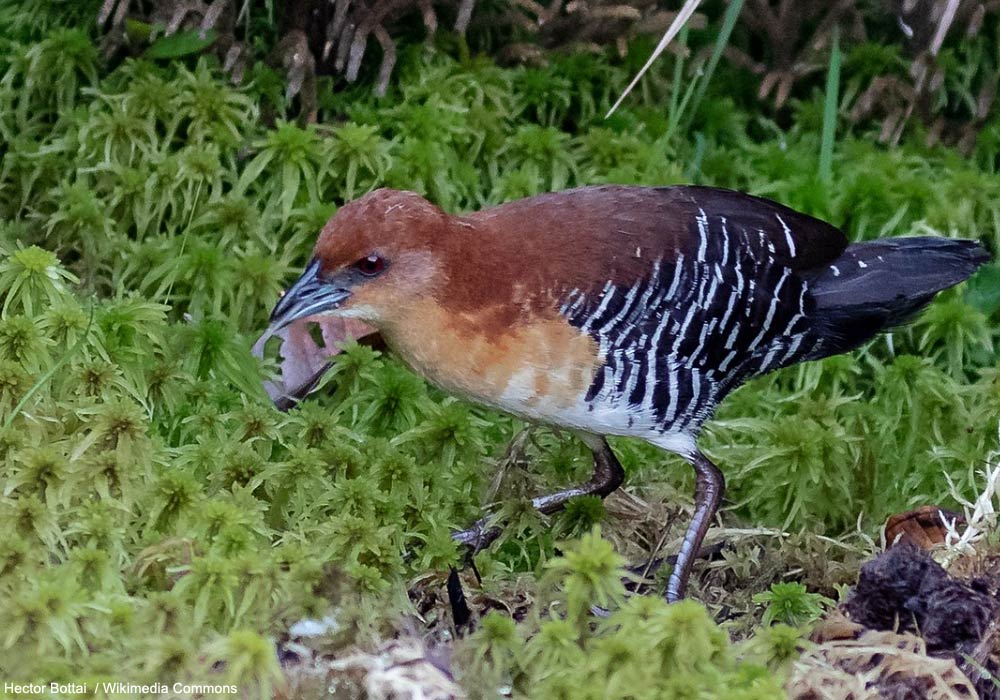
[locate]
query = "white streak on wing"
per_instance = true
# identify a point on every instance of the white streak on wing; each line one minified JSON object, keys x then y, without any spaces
{"x":662,"y":321}
{"x":746,"y":244}
{"x":725,"y":242}
{"x":651,"y":370}
{"x":733,"y":296}
{"x":646,"y":402}
{"x":706,"y":303}
{"x":737,"y":295}
{"x":725,"y":363}
{"x":607,"y":387}
{"x":695,"y":394}
{"x":770,"y":311}
{"x":655,"y":304}
{"x":705,"y":330}
{"x":861,"y":264}
{"x":791,"y":324}
{"x":775,"y":299}
{"x":605,"y":300}
{"x":801,"y":312}
{"x":690,"y":315}
{"x":581,"y":299}
{"x":796,"y":342}
{"x":711,"y":326}
{"x":768,"y":359}
{"x":573,"y":300}
{"x":634,"y":376}
{"x":653,"y":284}
{"x":788,"y":236}
{"x":702,"y":219}
{"x":668,"y":417}
{"x":683,"y":329}
{"x":616,"y":378}
{"x":700,"y":296}
{"x":657,"y":291}
{"x":677,"y":275}
{"x":732,"y":336}
{"x":626,"y":308}
{"x":703,"y":303}
{"x":836,"y":270}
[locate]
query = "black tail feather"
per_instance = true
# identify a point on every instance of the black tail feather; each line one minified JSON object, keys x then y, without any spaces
{"x":876,"y":285}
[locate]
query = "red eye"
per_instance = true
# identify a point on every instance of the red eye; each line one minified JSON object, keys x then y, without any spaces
{"x":370,"y":266}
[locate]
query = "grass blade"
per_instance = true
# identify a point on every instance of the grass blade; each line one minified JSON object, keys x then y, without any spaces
{"x":728,"y":23}
{"x":830,"y":103}
{"x":679,"y":21}
{"x":675,"y":83}
{"x":48,"y":374}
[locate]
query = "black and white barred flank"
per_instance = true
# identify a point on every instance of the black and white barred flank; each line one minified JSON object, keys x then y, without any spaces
{"x":736,"y":303}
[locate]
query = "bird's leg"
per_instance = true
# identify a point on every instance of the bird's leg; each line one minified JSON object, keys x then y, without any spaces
{"x":708,"y":494}
{"x":607,"y":476}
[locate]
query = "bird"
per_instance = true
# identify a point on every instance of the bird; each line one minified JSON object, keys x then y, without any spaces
{"x":614,"y":310}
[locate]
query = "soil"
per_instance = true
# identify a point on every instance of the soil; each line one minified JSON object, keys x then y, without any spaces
{"x":905,"y":631}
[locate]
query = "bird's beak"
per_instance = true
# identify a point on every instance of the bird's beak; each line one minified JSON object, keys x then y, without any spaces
{"x":307,"y":297}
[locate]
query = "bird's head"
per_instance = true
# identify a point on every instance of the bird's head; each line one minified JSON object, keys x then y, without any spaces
{"x":374,"y":257}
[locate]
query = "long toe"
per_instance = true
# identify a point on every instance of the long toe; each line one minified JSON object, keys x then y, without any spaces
{"x":480,"y":536}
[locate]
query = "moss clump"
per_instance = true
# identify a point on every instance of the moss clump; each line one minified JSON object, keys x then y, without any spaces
{"x":643,"y":648}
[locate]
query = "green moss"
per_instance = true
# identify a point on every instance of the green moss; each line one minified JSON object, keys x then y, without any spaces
{"x":644,"y":648}
{"x":791,"y":604}
{"x":162,"y":517}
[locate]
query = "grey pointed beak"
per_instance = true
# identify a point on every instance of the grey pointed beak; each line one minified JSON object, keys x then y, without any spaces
{"x":308,"y":296}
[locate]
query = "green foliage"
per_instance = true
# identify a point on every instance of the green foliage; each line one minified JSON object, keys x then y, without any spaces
{"x":791,"y":604}
{"x":164,"y":518}
{"x":643,"y":649}
{"x":181,"y":44}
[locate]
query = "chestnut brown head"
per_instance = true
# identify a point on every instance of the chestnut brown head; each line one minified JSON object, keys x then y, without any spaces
{"x":374,"y":255}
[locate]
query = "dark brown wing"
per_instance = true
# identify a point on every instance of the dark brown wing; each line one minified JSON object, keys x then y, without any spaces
{"x":726,"y":301}
{"x":795,"y":240}
{"x":611,"y":232}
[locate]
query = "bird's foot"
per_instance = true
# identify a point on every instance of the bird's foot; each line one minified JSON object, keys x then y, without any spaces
{"x":478,"y":537}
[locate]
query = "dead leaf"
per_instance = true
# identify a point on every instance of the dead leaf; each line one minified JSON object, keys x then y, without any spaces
{"x":923,"y":526}
{"x":303,"y":360}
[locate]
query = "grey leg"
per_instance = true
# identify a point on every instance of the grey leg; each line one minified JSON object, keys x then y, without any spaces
{"x":608,"y":476}
{"x":708,"y":494}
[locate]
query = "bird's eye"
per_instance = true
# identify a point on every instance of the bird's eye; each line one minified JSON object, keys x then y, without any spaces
{"x":370,"y":266}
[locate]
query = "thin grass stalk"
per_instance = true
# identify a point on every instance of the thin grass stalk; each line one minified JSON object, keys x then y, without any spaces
{"x":184,"y":239}
{"x":677,"y":116}
{"x":678,"y":78}
{"x":829,"y":133}
{"x":683,"y":15}
{"x":48,"y":374}
{"x":721,"y":41}
{"x":693,"y":174}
